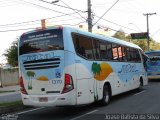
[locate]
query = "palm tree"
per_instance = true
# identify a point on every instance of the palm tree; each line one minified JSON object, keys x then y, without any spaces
{"x":96,"y":69}
{"x":31,"y":75}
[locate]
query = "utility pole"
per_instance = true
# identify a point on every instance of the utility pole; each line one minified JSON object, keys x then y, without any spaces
{"x":148,"y":38}
{"x":1,"y":82}
{"x":89,"y":16}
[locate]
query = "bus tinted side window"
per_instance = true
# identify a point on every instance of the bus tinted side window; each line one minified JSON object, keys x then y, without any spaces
{"x":138,"y":58}
{"x":120,"y":53}
{"x":109,"y":51}
{"x":83,"y":46}
{"x":96,"y":49}
{"x":124,"y":53}
{"x":128,"y":54}
{"x":103,"y":51}
{"x":115,"y":51}
{"x":132,"y":53}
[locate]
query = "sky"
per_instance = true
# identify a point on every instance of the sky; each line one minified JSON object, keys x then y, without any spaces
{"x":19,"y":16}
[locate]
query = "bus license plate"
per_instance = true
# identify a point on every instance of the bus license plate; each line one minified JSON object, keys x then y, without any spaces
{"x":43,"y":99}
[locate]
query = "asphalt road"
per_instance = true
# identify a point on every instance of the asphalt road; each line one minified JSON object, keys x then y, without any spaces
{"x":144,"y":104}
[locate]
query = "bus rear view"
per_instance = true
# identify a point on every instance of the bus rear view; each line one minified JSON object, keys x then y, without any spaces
{"x":43,"y":81}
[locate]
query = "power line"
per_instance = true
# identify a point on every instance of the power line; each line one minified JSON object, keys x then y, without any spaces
{"x":62,"y":6}
{"x":16,"y":29}
{"x":6,"y":25}
{"x":43,"y":7}
{"x":7,"y":3}
{"x":21,"y":29}
{"x":102,"y":26}
{"x":73,"y":9}
{"x":19,"y":24}
{"x":63,"y":20}
{"x":48,"y":8}
{"x":68,"y":7}
{"x":116,"y":24}
{"x":4,"y":2}
{"x":106,"y":12}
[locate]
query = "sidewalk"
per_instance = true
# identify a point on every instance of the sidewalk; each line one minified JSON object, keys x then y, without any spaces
{"x":10,"y":88}
{"x":10,"y":94}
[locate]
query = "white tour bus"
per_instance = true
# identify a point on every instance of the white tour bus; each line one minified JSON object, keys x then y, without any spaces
{"x":61,"y":66}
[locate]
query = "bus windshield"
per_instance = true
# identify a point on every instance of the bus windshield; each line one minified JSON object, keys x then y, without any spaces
{"x":40,"y":41}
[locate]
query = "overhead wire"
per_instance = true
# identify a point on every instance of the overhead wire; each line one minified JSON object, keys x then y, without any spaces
{"x":62,"y":6}
{"x":105,"y":12}
{"x":32,"y":28}
{"x":68,"y":7}
{"x":11,"y":30}
{"x":33,"y":21}
{"x":60,"y":16}
{"x":62,"y":20}
{"x":104,"y":26}
{"x":73,"y":10}
{"x":115,"y":23}
{"x":22,"y":23}
{"x":43,"y":7}
{"x":6,"y":2}
{"x":136,"y":8}
{"x":46,"y":8}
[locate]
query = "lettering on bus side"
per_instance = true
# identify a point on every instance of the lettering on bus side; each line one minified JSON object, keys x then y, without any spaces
{"x":38,"y":57}
{"x":128,"y":68}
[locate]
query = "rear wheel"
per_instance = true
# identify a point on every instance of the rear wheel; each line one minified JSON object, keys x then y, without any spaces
{"x":106,"y":95}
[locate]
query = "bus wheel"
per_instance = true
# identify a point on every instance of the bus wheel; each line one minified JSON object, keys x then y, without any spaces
{"x":106,"y":95}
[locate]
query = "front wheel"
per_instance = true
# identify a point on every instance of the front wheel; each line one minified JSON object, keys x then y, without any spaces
{"x":106,"y":95}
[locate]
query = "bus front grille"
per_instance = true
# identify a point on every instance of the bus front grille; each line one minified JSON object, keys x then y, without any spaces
{"x":42,"y":64}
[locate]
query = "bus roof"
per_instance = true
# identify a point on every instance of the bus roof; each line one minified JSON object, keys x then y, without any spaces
{"x":98,"y":36}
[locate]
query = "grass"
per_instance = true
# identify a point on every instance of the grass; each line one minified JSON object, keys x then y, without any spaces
{"x":6,"y":104}
{"x":7,"y":91}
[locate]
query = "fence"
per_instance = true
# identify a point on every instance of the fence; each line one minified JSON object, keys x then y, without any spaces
{"x":8,"y":77}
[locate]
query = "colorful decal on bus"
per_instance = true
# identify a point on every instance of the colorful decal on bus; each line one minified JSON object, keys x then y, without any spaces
{"x":101,"y":71}
{"x":42,"y":78}
{"x":31,"y":75}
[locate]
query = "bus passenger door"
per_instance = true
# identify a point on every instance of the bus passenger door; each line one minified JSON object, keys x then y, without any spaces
{"x":82,"y":84}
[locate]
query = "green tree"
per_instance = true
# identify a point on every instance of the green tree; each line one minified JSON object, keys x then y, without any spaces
{"x":120,"y":35}
{"x":154,"y":45}
{"x":140,"y":42}
{"x":11,"y":54}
